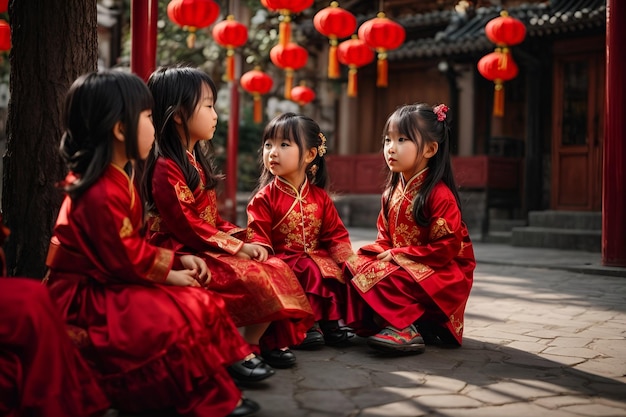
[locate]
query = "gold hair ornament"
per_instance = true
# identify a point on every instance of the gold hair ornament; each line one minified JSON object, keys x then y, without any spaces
{"x":321,"y":149}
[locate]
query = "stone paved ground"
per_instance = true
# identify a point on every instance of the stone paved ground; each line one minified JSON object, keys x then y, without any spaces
{"x":544,"y":336}
{"x":537,"y":342}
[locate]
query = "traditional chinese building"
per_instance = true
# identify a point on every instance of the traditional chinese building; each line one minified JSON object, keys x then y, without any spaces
{"x":539,"y":166}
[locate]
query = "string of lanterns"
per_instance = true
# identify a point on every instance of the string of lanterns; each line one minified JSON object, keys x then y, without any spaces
{"x":499,"y":66}
{"x":377,"y":35}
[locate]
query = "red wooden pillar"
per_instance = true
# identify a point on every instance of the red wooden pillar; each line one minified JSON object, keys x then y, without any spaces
{"x":614,"y":153}
{"x":143,"y":33}
{"x":232,"y":144}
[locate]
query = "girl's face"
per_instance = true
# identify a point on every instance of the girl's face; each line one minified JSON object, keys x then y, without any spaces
{"x":282,"y":158}
{"x":145,"y":133}
{"x":203,"y":122}
{"x":403,"y":155}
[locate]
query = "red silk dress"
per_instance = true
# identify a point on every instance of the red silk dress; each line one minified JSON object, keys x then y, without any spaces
{"x":151,"y":345}
{"x":41,"y":371}
{"x":255,"y":292}
{"x":431,"y":274}
{"x":303,"y":228}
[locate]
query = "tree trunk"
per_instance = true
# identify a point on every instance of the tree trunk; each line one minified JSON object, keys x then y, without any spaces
{"x":54,"y":41}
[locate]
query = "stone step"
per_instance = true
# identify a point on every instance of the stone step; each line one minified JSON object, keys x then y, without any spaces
{"x":557,"y":238}
{"x":585,"y":220}
{"x":497,"y":237}
{"x":505,"y":225}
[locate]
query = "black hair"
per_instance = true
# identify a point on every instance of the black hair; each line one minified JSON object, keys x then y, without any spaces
{"x":94,"y":103}
{"x":419,"y":123}
{"x":306,"y":134}
{"x":177,"y":90}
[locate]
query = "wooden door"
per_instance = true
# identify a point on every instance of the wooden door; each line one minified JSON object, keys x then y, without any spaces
{"x":578,"y":128}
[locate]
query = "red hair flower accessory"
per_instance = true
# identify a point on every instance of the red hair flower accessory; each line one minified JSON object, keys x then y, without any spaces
{"x":440,"y":110}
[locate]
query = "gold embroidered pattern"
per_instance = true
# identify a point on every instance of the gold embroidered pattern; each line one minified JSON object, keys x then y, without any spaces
{"x":375,"y":273}
{"x":328,"y":267}
{"x":457,"y":324}
{"x":298,"y":227}
{"x":417,"y":270}
{"x":183,"y":193}
{"x":127,"y":228}
{"x":439,"y":228}
{"x":161,"y":266}
{"x":226,"y":242}
{"x":209,"y":215}
{"x":405,"y":235}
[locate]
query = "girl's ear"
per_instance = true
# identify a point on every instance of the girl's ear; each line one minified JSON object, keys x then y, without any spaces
{"x":431,"y":149}
{"x":118,"y":131}
{"x":310,"y":155}
{"x":177,"y":119}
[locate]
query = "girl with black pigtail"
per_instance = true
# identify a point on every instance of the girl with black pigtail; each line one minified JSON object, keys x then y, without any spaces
{"x":411,"y":286}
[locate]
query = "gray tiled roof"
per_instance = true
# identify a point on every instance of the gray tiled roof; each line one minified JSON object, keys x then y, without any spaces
{"x":466,"y":34}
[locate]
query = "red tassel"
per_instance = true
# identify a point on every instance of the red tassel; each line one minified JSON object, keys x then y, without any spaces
{"x":191,"y":38}
{"x":333,"y":63}
{"x":257,"y":111}
{"x":498,"y":100}
{"x":284,"y":31}
{"x":230,"y":65}
{"x":352,"y":82}
{"x":381,"y":69}
{"x":288,"y":83}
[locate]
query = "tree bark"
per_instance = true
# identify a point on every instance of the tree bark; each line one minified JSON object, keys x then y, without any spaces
{"x":53,"y":42}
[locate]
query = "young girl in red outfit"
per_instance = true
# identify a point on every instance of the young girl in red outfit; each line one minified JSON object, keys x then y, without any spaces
{"x":262,"y":295}
{"x":154,"y":339}
{"x":293,"y":216}
{"x":420,"y":269}
{"x":41,"y":371}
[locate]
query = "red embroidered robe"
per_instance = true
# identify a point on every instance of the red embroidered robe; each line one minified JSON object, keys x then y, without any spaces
{"x":303,"y":228}
{"x":431,"y":274}
{"x":151,"y":345}
{"x":255,"y":292}
{"x":41,"y":371}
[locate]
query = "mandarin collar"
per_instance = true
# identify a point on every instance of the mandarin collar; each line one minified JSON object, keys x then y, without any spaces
{"x":286,"y":187}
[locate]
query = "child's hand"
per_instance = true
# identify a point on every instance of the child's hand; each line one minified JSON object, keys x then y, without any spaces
{"x":194,"y":263}
{"x":253,"y":251}
{"x":182,"y":278}
{"x":385,"y":256}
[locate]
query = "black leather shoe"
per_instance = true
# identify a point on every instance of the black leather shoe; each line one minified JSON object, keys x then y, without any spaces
{"x":337,"y":337}
{"x":314,"y":340}
{"x":279,"y":358}
{"x":252,"y":370}
{"x":334,"y":334}
{"x":246,"y":408}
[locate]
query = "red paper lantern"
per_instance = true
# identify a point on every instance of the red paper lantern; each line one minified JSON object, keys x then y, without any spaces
{"x":498,"y":67}
{"x":290,"y":57}
{"x":302,"y":94}
{"x":230,"y":34}
{"x":5,"y":35}
{"x":354,"y":53}
{"x":382,"y":35}
{"x":286,"y":8}
{"x":193,"y":15}
{"x":505,"y":30}
{"x":4,"y":6}
{"x":334,"y":23}
{"x":257,"y":83}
